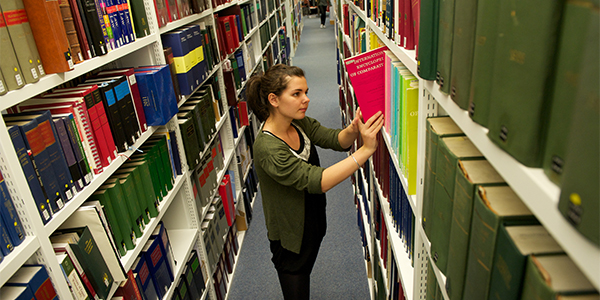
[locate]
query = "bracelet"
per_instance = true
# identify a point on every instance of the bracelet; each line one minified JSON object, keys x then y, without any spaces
{"x":355,"y":160}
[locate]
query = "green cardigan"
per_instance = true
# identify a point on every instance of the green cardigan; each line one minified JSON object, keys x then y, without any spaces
{"x":284,"y":177}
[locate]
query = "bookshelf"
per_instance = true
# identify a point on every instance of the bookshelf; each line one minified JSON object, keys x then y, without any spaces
{"x":178,"y":210}
{"x":531,"y":184}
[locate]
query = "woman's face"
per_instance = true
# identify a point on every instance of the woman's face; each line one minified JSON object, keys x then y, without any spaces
{"x":293,"y":101}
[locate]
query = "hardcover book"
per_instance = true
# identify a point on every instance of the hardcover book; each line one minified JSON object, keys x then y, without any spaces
{"x":14,"y":228}
{"x":36,"y":279}
{"x":366,"y":72}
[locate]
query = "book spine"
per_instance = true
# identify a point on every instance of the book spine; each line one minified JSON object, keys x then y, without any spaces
{"x":80,"y":30}
{"x":88,"y":139}
{"x":71,"y":31}
{"x":78,"y":149}
{"x":67,"y":150}
{"x":9,"y":213}
{"x":84,"y":278}
{"x":90,"y":13}
{"x":9,"y":63}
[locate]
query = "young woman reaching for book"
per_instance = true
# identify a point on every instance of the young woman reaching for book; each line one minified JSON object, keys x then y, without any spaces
{"x":293,"y":184}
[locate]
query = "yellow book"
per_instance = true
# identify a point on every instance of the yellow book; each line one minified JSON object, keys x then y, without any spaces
{"x":412,"y":124}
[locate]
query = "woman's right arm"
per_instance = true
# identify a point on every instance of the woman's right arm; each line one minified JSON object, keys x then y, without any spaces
{"x":337,"y":173}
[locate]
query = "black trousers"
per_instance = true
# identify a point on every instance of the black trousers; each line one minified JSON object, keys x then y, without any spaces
{"x":323,"y":11}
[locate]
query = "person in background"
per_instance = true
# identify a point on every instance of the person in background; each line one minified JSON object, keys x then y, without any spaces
{"x":323,"y":4}
{"x":293,"y":184}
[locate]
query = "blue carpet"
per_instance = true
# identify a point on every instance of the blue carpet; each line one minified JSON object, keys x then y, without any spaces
{"x":339,"y":272}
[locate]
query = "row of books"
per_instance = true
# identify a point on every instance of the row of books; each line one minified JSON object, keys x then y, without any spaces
{"x":40,"y":38}
{"x":466,"y":206}
{"x":204,"y":177}
{"x":171,"y":10}
{"x":195,"y":54}
{"x":197,"y":122}
{"x":29,"y":282}
{"x":531,"y":121}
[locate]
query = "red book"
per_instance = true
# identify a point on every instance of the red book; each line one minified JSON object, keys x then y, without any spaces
{"x":76,"y":107}
{"x":416,"y":13}
{"x":135,"y":93}
{"x":129,"y":289}
{"x":228,"y":33}
{"x":400,"y":6}
{"x":220,"y":38}
{"x":243,"y":110}
{"x":226,"y":193}
{"x":162,"y":12}
{"x":409,"y":42}
{"x":234,"y":31}
{"x":97,"y":117}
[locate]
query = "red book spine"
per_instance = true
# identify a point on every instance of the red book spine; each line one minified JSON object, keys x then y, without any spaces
{"x":408,"y":26}
{"x":83,"y":41}
{"x":401,"y":6}
{"x":416,"y":13}
{"x":243,"y":109}
{"x":227,"y":197}
{"x":234,"y":31}
{"x":220,"y":38}
{"x":228,"y":33}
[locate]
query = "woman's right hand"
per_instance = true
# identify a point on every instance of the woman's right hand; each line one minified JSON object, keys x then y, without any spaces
{"x":370,"y":129}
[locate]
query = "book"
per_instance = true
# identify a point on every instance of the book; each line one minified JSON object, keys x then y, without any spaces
{"x":129,"y":288}
{"x":519,"y":105}
{"x":35,"y":187}
{"x":91,"y":258}
{"x":548,"y":277}
{"x":75,"y":284}
{"x":11,"y":71}
{"x":71,"y":31}
{"x":469,"y":175}
{"x":119,"y":234}
{"x":180,"y":45}
{"x":450,"y":151}
{"x":227,"y":196}
{"x":160,"y":233}
{"x":462,"y":52}
{"x":6,"y":246}
{"x":63,"y":246}
{"x":141,"y":272}
{"x":3,"y":88}
{"x":50,"y":36}
{"x":135,"y":188}
{"x":366,"y":75}
{"x":22,"y":40}
{"x":89,"y":17}
{"x":157,"y":81}
{"x":139,"y":18}
{"x":81,"y":30}
{"x":37,"y":281}
{"x":483,"y":61}
{"x":577,"y":185}
{"x":67,"y":150}
{"x":445,"y":40}
{"x":159,"y":268}
{"x":88,"y":216}
{"x":130,"y":200}
{"x":135,"y":93}
{"x":493,"y":206}
{"x":78,"y":149}
{"x":514,"y":245}
{"x":573,"y":37}
{"x":170,"y":60}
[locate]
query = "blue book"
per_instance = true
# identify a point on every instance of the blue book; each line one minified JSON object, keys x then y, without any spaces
{"x":67,"y":150}
{"x":84,"y":169}
{"x":158,"y":266}
{"x":199,"y":44}
{"x":180,"y":45}
{"x":40,"y":157}
{"x":238,"y":23}
{"x":16,"y":292}
{"x":128,"y":23}
{"x":193,"y":45}
{"x":36,"y":279}
{"x":41,"y":201}
{"x":162,"y":235}
{"x":239,"y":56}
{"x":158,"y":96}
{"x":9,"y":214}
{"x":141,"y":272}
{"x":125,"y":34}
{"x":113,"y":16}
{"x":6,"y":245}
{"x":233,"y":122}
{"x":175,"y":150}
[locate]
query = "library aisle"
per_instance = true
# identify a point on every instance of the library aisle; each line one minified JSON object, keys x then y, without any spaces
{"x":339,"y":272}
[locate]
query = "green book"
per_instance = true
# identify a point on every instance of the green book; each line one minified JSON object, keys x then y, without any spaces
{"x":514,"y":245}
{"x":165,"y":157}
{"x":493,"y":205}
{"x":432,"y":284}
{"x":120,"y":203}
{"x":151,"y":157}
{"x":437,"y":127}
{"x":428,"y":39}
{"x":484,"y":49}
{"x":118,"y":230}
{"x":445,"y":38}
{"x":462,"y":51}
{"x":572,"y":41}
{"x":146,"y":177}
{"x":139,"y":18}
{"x":522,"y":80}
{"x":469,"y":175}
{"x":450,"y":151}
{"x":189,"y":137}
{"x":140,"y":191}
{"x":75,"y":285}
{"x":131,"y":200}
{"x":87,"y":252}
{"x":549,"y":277}
{"x":579,"y":186}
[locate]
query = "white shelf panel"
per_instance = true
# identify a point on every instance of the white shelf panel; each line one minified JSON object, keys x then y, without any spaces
{"x":13,"y":262}
{"x":403,"y":263}
{"x":182,"y":241}
{"x":531,"y":184}
{"x":412,"y":199}
{"x":129,"y":258}
{"x":441,"y":278}
{"x":79,"y":198}
{"x":52,"y":80}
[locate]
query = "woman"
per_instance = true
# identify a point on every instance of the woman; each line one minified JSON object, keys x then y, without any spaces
{"x":293,"y":184}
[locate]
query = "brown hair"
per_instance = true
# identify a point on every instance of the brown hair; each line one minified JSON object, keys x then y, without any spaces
{"x":274,"y":81}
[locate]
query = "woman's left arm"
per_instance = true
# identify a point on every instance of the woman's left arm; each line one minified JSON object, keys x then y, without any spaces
{"x":347,"y":136}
